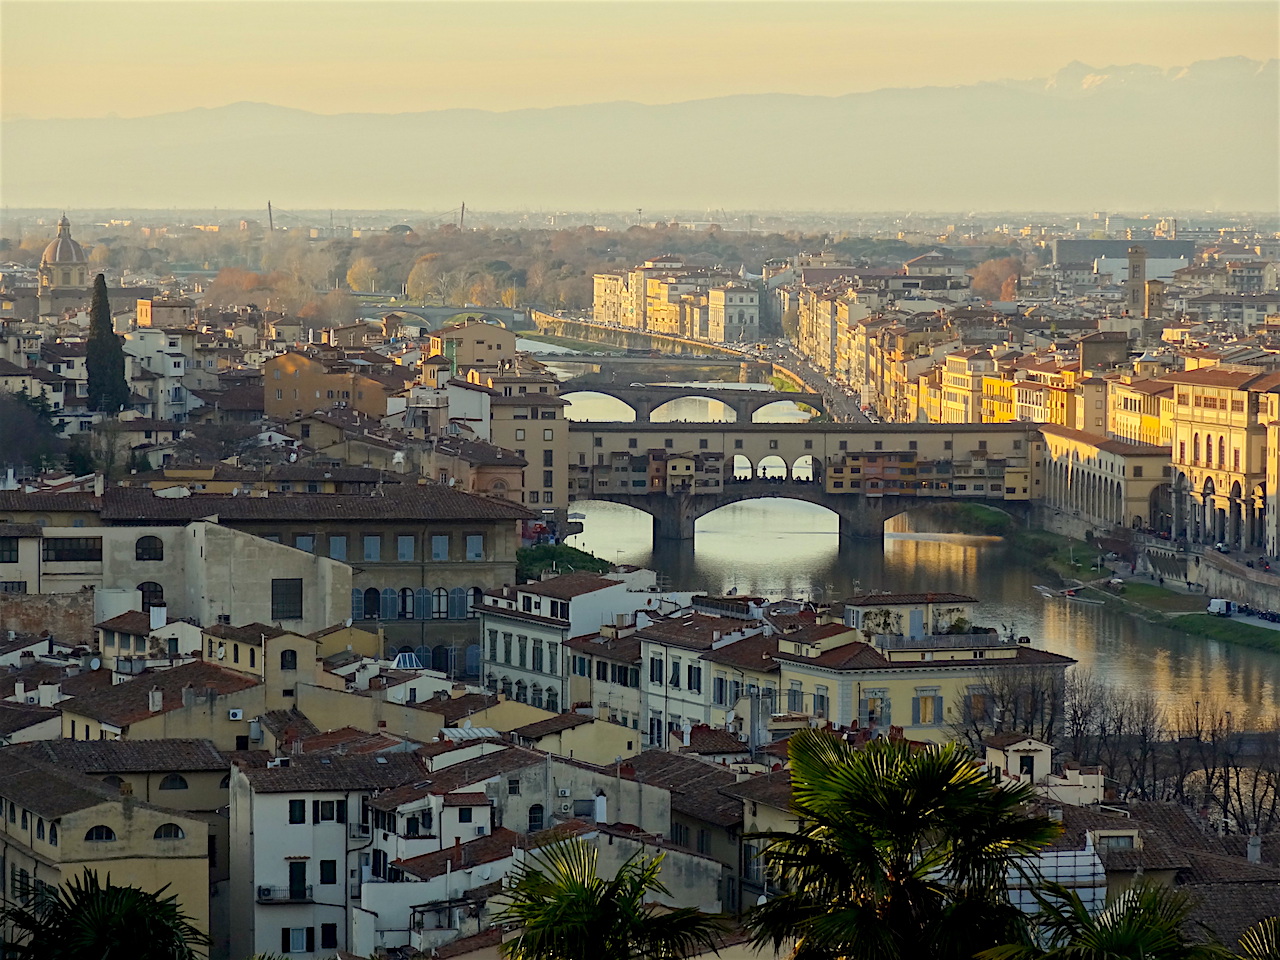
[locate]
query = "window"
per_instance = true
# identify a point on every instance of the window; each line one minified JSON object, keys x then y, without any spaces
{"x":548,"y":435}
{"x":8,"y":549}
{"x":174,"y":781}
{"x":548,"y":478}
{"x":655,"y":670}
{"x":72,"y":549}
{"x":372,"y":547}
{"x":288,"y":659}
{"x":146,"y":548}
{"x":286,"y":599}
{"x":404,"y":549}
{"x":513,"y":788}
{"x":520,"y":434}
{"x":536,"y":818}
{"x":305,"y":542}
{"x":100,"y":834}
{"x":548,"y":458}
{"x":440,"y":547}
{"x":297,"y":939}
{"x":40,"y":828}
{"x":464,"y":814}
{"x":404,"y":609}
{"x":169,"y":831}
{"x":338,"y":548}
{"x":475,"y":546}
{"x":679,"y":834}
{"x":718,"y":690}
{"x":328,"y":931}
{"x":297,"y":811}
{"x":152,"y":594}
{"x":53,"y":834}
{"x":439,"y":603}
{"x":13,"y":586}
{"x":328,"y":871}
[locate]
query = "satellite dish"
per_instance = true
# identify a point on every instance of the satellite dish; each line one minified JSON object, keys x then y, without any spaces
{"x":466,"y":724}
{"x":761,"y":900}
{"x":486,"y":872}
{"x":95,"y":664}
{"x":347,"y":622}
{"x":222,"y":653}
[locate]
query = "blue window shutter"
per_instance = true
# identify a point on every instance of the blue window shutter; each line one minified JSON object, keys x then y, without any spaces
{"x":388,"y":604}
{"x":863,"y":712}
{"x":357,"y":604}
{"x":915,"y":711}
{"x":937,"y":710}
{"x":422,"y":604}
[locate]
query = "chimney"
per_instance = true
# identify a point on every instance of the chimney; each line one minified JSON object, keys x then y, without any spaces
{"x":188,"y":694}
{"x":1255,"y":849}
{"x":20,"y":691}
{"x":155,"y":700}
{"x":159,"y":616}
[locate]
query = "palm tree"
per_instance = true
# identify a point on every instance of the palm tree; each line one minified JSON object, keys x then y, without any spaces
{"x":901,"y":853}
{"x":86,"y":919}
{"x":1146,"y":922}
{"x":1262,"y":940}
{"x":566,"y":912}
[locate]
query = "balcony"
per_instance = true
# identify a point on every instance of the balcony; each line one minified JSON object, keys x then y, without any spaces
{"x":290,"y":894}
{"x":358,"y":831}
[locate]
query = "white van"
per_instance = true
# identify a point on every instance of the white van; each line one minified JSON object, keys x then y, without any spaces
{"x":1222,"y":608}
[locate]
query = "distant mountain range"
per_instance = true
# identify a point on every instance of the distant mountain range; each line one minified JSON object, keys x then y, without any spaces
{"x":1116,"y":138}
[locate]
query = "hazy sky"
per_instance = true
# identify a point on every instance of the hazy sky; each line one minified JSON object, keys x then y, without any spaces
{"x":62,"y":58}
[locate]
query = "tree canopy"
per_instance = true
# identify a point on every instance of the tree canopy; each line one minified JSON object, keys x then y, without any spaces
{"x":108,"y":389}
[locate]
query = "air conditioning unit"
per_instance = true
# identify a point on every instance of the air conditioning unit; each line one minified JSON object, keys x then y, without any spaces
{"x":563,"y":793}
{"x":33,"y":698}
{"x":264,"y":893}
{"x":235,"y":714}
{"x":566,"y":807}
{"x":480,"y":831}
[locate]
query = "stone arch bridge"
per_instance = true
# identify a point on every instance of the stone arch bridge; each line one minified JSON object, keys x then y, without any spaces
{"x":862,"y":517}
{"x":644,"y":400}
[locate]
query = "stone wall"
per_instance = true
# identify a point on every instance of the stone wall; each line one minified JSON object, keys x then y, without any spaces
{"x":67,"y":616}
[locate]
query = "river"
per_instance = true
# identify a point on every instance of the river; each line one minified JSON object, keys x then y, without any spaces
{"x":785,"y":548}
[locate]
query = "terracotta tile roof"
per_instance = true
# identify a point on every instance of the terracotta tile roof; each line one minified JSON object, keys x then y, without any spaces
{"x":849,"y":656}
{"x":486,"y":849}
{"x":695,"y":785}
{"x":336,"y":773}
{"x":753,"y":653}
{"x":773,"y":789}
{"x":19,"y":716}
{"x":251,"y":633}
{"x":480,"y":769}
{"x":474,"y":799}
{"x":704,"y":739}
{"x":49,"y":790}
{"x":125,"y":703}
{"x":288,"y":725}
{"x":1118,"y":447}
{"x":624,"y":649}
{"x":568,"y":585}
{"x":693,"y":631}
{"x":464,"y":945}
{"x":72,"y":685}
{"x":97,"y":757}
{"x":349,"y":740}
{"x":557,"y":724}
{"x":1229,"y":909}
{"x":458,"y":708}
{"x":416,"y":503}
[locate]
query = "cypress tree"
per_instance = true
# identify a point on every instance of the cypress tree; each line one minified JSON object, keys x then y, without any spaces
{"x":108,"y":391}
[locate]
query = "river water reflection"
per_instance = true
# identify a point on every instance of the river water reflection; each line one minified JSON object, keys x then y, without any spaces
{"x":786,"y":548}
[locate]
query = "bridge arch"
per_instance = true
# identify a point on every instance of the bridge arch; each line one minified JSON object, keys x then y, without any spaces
{"x":777,"y":403}
{"x":729,"y":414}
{"x":622,"y":407}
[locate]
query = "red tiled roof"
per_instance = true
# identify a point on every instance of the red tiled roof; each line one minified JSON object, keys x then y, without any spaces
{"x":125,"y":703}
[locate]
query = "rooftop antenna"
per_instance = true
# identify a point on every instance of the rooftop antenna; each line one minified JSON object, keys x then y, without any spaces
{"x":462,"y":216}
{"x":271,"y":223}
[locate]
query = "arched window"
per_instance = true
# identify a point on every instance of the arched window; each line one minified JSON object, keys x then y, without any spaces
{"x":372,"y":603}
{"x":39,"y":828}
{"x":473,"y":609}
{"x":439,"y":603}
{"x":535,"y":695}
{"x":152,"y":594}
{"x":53,"y":834}
{"x":405,"y":608}
{"x":1195,"y":449}
{"x":458,"y":598}
{"x":288,"y":659}
{"x":114,"y":781}
{"x":506,"y":692}
{"x":174,"y":781}
{"x":553,"y":700}
{"x":148,"y":548}
{"x":100,"y":834}
{"x":1222,"y":452}
{"x":536,"y":818}
{"x":169,"y":831}
{"x":225,"y":782}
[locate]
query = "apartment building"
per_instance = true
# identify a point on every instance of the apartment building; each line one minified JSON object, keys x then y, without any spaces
{"x":56,"y":823}
{"x":295,"y":383}
{"x":1221,"y":454}
{"x":733,"y":313}
{"x":525,"y":629}
{"x":300,"y":832}
{"x":1106,"y":483}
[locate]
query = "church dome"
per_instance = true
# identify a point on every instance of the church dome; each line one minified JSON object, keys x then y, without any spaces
{"x":63,"y":250}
